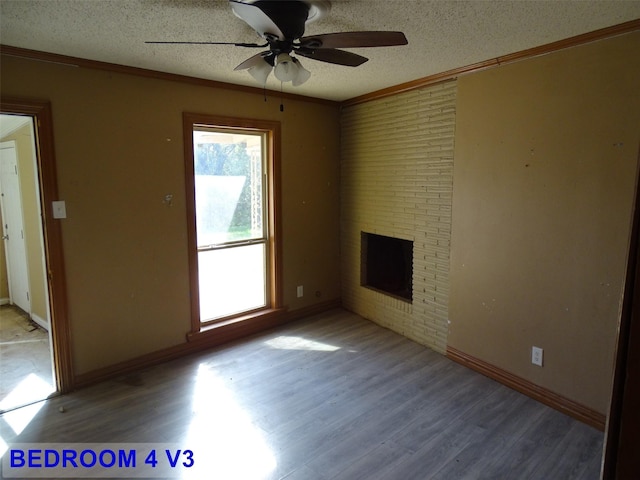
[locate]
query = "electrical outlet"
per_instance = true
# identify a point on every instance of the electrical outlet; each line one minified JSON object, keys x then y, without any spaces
{"x":300,"y":291}
{"x":536,"y":356}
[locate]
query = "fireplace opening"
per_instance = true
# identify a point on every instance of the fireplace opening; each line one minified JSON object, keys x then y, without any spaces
{"x":387,"y":265}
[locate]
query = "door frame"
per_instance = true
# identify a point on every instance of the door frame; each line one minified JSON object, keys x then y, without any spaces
{"x":52,"y":232}
{"x":622,"y":434}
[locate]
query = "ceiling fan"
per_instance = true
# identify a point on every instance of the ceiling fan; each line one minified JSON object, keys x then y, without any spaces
{"x":281,"y":24}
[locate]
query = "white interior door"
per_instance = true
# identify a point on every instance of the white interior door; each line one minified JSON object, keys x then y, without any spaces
{"x":12,"y":227}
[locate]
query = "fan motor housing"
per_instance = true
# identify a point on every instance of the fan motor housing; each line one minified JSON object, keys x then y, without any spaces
{"x":290,"y":15}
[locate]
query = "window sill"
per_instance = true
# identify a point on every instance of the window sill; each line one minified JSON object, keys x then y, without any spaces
{"x":238,"y":327}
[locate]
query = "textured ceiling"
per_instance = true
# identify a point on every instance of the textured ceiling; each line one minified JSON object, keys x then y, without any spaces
{"x":442,"y":35}
{"x":10,"y":123}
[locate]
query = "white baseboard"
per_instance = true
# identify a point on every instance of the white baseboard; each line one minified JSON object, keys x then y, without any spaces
{"x":4,"y":301}
{"x":43,"y":323}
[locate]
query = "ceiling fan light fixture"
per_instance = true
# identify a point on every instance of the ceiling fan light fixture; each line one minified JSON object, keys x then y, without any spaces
{"x":261,"y":72}
{"x":285,"y":70}
{"x":303,"y":74}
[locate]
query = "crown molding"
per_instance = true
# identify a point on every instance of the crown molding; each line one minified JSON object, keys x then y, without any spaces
{"x":10,"y":51}
{"x":582,"y":39}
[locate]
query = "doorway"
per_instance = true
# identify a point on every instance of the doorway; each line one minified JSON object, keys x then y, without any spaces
{"x":26,"y":356}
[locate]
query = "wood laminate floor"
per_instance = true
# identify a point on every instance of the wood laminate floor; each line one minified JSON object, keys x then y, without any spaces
{"x":25,"y":359}
{"x":330,"y":397}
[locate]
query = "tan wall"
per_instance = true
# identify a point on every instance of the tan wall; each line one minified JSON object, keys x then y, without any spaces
{"x":25,"y":142}
{"x":544,"y":171}
{"x":397,"y":171}
{"x":119,"y":151}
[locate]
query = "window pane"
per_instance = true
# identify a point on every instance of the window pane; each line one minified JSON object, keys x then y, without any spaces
{"x":228,"y":182}
{"x":232,"y":280}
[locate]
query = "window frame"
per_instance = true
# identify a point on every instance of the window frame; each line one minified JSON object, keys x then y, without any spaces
{"x":271,"y":132}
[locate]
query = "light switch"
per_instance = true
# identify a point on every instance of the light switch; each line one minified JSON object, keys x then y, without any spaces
{"x":59,"y":209}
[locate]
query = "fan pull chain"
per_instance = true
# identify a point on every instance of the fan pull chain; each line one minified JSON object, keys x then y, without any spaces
{"x":281,"y":104}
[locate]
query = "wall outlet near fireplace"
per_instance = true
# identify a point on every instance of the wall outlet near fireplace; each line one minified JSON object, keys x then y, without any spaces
{"x":300,"y":291}
{"x":536,"y":356}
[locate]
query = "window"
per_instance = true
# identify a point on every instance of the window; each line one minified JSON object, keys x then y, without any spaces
{"x":231,"y":171}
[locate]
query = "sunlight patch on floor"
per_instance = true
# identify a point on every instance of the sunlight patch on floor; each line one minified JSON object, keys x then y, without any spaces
{"x":3,"y":447}
{"x":225,"y":442}
{"x":31,"y":389}
{"x":18,"y":420}
{"x":287,"y":342}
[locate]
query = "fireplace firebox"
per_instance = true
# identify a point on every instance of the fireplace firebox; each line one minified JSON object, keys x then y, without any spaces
{"x":387,"y":265}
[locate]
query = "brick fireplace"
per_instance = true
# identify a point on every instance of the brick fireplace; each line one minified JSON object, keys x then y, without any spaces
{"x":397,"y":181}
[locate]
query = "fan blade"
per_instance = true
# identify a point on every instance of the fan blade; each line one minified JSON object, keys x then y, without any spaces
{"x":255,"y":60}
{"x":330,"y":55}
{"x":252,"y":45}
{"x":354,"y":40}
{"x":256,"y":18}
